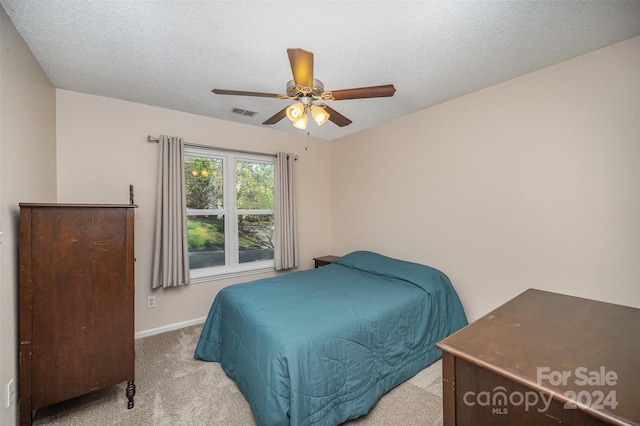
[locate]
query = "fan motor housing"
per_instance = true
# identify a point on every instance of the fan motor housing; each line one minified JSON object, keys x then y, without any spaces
{"x":294,"y":90}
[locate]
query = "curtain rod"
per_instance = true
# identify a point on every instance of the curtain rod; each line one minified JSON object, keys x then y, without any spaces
{"x":156,"y":140}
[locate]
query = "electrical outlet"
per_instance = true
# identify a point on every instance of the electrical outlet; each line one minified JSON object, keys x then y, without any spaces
{"x":11,"y":393}
{"x":151,"y":302}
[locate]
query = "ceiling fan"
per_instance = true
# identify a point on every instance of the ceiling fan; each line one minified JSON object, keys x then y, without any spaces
{"x":306,"y":90}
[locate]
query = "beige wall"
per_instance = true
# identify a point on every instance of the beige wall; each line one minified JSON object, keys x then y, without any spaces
{"x":27,"y":173}
{"x":102,"y":148}
{"x":531,"y":183}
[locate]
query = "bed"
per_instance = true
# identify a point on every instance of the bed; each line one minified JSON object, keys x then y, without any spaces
{"x":321,"y":346}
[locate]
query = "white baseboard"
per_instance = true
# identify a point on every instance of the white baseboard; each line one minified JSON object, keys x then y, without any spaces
{"x":170,"y":327}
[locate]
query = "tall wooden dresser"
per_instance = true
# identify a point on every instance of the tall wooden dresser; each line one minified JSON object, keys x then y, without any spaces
{"x":76,"y":302}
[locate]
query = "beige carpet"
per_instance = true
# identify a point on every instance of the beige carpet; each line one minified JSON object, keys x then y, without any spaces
{"x":173,"y":389}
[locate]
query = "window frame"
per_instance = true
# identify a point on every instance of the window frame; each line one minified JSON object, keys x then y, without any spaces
{"x":232,"y":266}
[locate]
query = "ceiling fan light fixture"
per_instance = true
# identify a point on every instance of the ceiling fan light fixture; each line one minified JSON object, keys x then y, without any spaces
{"x":304,"y":90}
{"x":319,"y":113}
{"x":295,"y":111}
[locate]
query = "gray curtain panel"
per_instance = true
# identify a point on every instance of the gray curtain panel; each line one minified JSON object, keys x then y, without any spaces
{"x":286,"y":247}
{"x":170,"y":251}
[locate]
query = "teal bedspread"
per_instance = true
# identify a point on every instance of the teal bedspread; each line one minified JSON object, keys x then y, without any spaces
{"x":321,"y":346}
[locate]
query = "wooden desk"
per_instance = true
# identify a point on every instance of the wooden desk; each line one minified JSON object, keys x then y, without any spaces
{"x":527,"y":362}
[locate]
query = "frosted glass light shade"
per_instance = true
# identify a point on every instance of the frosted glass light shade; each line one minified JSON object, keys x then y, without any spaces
{"x":320,"y":115}
{"x":295,"y":111}
{"x":301,"y":123}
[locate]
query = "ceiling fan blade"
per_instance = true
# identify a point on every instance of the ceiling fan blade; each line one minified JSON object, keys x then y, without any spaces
{"x":242,"y":93}
{"x":301,"y":66}
{"x":277,"y":116}
{"x":337,"y":118}
{"x":364,"y":92}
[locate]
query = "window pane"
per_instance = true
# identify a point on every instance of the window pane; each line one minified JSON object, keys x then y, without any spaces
{"x":203,"y":182}
{"x":205,"y":239}
{"x":255,"y":183}
{"x":255,"y":237}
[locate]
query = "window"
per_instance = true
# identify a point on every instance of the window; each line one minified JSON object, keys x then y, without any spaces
{"x":230,"y":212}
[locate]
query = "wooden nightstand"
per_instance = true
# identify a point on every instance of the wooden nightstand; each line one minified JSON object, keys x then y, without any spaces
{"x":324,"y":260}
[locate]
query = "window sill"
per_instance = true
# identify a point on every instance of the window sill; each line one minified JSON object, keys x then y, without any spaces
{"x":197,"y":279}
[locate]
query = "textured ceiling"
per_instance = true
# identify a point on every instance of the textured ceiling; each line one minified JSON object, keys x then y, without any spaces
{"x":171,"y":54}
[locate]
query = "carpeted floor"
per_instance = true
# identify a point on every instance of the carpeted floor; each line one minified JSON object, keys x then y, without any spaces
{"x":173,"y":389}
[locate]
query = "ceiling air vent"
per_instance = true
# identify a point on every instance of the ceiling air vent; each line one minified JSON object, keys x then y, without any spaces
{"x":243,"y":112}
